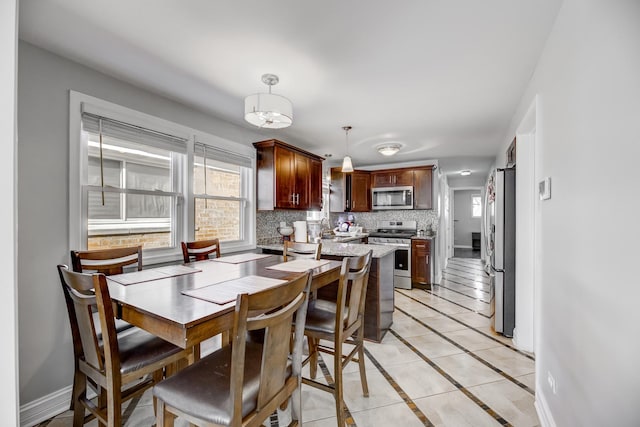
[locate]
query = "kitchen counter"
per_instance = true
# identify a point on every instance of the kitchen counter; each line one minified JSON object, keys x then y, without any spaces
{"x":332,"y":248}
{"x":423,"y":237}
{"x":347,"y":239}
{"x":378,"y":311}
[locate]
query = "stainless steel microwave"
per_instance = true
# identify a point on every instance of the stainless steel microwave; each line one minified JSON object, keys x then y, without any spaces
{"x":392,"y":198}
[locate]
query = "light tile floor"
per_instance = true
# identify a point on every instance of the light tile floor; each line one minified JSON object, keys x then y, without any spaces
{"x":440,"y":364}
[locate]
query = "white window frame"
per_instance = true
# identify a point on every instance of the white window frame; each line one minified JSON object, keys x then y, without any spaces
{"x":184,"y":230}
{"x":479,"y":196}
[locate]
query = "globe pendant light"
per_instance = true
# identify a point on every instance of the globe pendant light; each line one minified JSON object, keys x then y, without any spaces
{"x":347,"y":165}
{"x":267,"y":110}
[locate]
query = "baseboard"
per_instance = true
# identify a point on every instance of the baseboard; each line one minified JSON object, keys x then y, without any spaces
{"x":45,"y":407}
{"x":542,"y":409}
{"x":462,"y":247}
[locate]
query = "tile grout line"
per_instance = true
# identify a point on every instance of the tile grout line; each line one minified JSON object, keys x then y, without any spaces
{"x":466,"y":285}
{"x":460,"y":293}
{"x":452,"y":380}
{"x":405,"y":397}
{"x":449,"y":301}
{"x":467,"y":268}
{"x":327,"y":376}
{"x":472,"y":354}
{"x":464,"y":277}
{"x":464,"y":324}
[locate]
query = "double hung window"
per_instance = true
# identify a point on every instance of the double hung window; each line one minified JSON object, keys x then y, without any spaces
{"x":139,"y":180}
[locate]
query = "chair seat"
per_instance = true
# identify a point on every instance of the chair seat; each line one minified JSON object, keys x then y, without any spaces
{"x":140,"y":349}
{"x":202,"y":389}
{"x":321,"y":317}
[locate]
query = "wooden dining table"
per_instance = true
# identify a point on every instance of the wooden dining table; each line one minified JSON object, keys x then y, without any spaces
{"x":159,"y":306}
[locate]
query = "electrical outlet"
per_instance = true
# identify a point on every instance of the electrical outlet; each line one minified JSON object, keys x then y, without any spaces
{"x":552,"y":382}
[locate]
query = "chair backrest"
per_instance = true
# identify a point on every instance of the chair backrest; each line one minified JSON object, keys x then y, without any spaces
{"x":301,"y":250}
{"x":280,"y":304}
{"x":106,"y":261}
{"x":82,"y":293}
{"x":200,"y":250}
{"x":354,"y":276}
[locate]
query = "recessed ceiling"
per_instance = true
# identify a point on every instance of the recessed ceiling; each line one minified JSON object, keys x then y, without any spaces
{"x":441,"y":78}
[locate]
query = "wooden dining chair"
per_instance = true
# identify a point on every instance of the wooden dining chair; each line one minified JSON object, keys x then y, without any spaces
{"x":295,"y":250}
{"x":109,"y":361}
{"x":106,"y":261}
{"x":340,"y":322}
{"x":244,"y":383}
{"x":200,"y":250}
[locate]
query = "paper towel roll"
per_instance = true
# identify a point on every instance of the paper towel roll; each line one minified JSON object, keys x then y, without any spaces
{"x":300,"y":233}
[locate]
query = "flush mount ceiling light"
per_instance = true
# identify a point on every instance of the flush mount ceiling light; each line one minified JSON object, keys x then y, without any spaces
{"x":347,"y":165}
{"x":267,"y":110}
{"x":465,"y":172}
{"x":389,"y":149}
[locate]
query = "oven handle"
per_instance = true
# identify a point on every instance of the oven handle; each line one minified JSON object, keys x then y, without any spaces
{"x":397,"y":245}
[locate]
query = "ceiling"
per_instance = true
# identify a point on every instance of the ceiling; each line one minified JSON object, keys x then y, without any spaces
{"x":442,"y":78}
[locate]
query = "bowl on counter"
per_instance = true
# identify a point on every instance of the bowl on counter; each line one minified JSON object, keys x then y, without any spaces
{"x":285,"y":231}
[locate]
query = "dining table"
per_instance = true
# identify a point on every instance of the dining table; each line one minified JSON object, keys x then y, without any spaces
{"x":158,"y":302}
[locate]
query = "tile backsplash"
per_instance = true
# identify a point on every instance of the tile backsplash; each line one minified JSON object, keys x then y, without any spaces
{"x":268,"y":221}
{"x":368,"y":220}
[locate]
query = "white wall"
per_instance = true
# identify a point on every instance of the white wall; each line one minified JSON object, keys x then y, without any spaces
{"x":587,"y":128}
{"x":464,"y":224}
{"x":8,"y":302}
{"x":46,"y":362}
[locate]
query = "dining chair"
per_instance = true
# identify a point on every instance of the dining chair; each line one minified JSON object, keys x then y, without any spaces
{"x":106,"y":261}
{"x":244,"y":383}
{"x":341,"y":322}
{"x":301,"y":250}
{"x":109,"y":361}
{"x":200,"y":250}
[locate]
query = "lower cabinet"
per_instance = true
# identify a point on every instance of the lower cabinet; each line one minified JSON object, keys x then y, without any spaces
{"x":420,"y":263}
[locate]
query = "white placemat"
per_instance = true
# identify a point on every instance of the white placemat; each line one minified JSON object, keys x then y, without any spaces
{"x":152,"y":274}
{"x":240,"y":258}
{"x":299,"y":265}
{"x":225,"y":292}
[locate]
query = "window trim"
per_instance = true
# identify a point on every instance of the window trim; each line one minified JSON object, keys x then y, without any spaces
{"x":78,"y":172}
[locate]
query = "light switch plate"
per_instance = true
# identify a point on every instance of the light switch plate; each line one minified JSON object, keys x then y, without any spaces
{"x":544,"y":188}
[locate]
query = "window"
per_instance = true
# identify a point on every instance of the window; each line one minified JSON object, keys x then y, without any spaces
{"x":220,"y":197}
{"x":476,"y":206}
{"x":140,"y":180}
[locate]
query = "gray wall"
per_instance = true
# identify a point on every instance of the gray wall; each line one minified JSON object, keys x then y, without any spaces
{"x":587,"y":127}
{"x":463,"y":223}
{"x":44,"y":80}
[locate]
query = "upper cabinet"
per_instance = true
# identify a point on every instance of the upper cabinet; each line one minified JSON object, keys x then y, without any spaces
{"x":287,"y":177}
{"x":422,"y":188}
{"x":350,"y":192}
{"x":392,"y":178}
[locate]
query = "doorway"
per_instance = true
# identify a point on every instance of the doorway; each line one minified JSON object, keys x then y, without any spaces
{"x":467,"y":222}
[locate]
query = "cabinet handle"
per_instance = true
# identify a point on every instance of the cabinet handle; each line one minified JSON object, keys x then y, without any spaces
{"x":420,"y":246}
{"x":297,"y":198}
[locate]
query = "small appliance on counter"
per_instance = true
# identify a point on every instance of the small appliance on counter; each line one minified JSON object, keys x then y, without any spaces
{"x":300,"y":231}
{"x":285,"y":231}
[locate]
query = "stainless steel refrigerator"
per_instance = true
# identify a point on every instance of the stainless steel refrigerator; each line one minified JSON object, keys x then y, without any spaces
{"x":502,"y":247}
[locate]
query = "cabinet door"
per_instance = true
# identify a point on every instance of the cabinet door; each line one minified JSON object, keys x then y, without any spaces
{"x":422,"y":189}
{"x":360,"y":192}
{"x":285,"y":178}
{"x":420,"y":250}
{"x":337,"y":194}
{"x":302,"y":181}
{"x":382,"y":179}
{"x":403,"y":178}
{"x":315,"y":185}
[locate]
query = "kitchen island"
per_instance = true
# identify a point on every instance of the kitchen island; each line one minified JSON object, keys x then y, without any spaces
{"x":378,"y":315}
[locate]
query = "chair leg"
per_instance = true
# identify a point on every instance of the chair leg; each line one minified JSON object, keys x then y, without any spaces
{"x":313,"y":357}
{"x":157,"y":377}
{"x":114,"y":406}
{"x":79,"y":390}
{"x":363,"y":374}
{"x":338,"y":389}
{"x":163,"y":417}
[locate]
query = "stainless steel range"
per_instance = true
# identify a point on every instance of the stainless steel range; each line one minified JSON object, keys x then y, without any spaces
{"x":398,"y":234}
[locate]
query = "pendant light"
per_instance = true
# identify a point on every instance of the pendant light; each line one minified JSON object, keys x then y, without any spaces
{"x":267,"y":110}
{"x":347,"y":165}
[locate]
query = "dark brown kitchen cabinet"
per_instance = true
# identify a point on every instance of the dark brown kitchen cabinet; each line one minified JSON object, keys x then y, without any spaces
{"x":287,"y":177}
{"x":422,"y":188}
{"x":350,"y":192}
{"x":420,"y":259}
{"x":392,"y":178}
